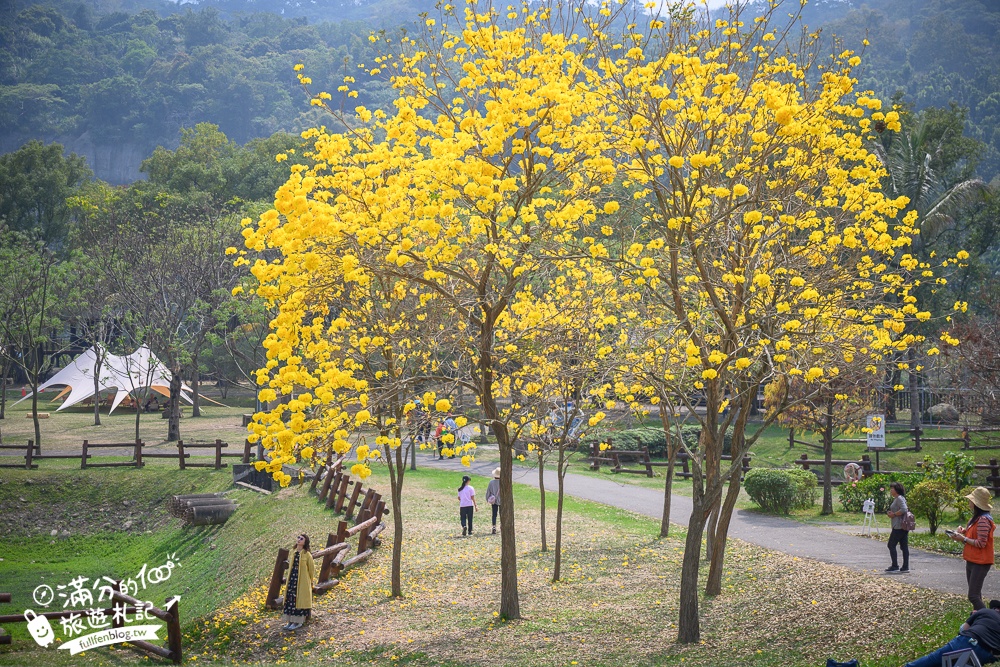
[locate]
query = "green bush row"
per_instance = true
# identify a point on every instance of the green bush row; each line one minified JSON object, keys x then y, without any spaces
{"x":781,"y":490}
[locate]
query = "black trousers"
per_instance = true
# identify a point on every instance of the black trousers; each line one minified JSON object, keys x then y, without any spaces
{"x":465,"y":514}
{"x":496,"y":511}
{"x":975,"y":574}
{"x":902,"y":538}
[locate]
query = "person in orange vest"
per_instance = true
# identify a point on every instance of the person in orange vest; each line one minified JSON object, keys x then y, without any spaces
{"x":978,"y":540}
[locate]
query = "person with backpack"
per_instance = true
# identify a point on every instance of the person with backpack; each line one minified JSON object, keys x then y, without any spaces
{"x":493,"y":496}
{"x":466,"y":504}
{"x":978,"y":539}
{"x":899,"y":535}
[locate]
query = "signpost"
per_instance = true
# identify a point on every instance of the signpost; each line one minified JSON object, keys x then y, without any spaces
{"x":876,"y":436}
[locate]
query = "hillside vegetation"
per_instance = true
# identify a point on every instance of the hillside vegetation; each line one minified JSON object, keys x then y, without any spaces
{"x":114,"y":82}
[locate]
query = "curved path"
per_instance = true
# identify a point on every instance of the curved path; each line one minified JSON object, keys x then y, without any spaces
{"x":928,"y":570}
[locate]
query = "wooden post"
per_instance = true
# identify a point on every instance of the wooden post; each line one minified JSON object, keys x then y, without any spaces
{"x":336,"y":569}
{"x":325,"y":489}
{"x":344,"y":485}
{"x":791,"y":438}
{"x":866,"y":465}
{"x":180,"y":453}
{"x":246,"y":451}
{"x":324,"y":569}
{"x":174,"y":632}
{"x":646,"y":462}
{"x":83,"y":459}
{"x":363,"y":535}
{"x":138,"y":454}
{"x":218,"y":454}
{"x":354,"y":496}
{"x":966,"y":439}
{"x":746,"y":465}
{"x":28,"y":455}
{"x":994,"y":478}
{"x":804,"y":458}
{"x":917,"y":432}
{"x":280,"y":563}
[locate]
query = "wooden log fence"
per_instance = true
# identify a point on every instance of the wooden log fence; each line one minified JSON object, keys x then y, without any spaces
{"x":333,"y":557}
{"x":139,"y":456}
{"x":29,"y":454}
{"x":647,"y":465}
{"x":121,"y":601}
{"x":4,"y":637}
{"x":598,"y":457}
{"x":865,"y":463}
{"x":643,"y":459}
{"x":685,"y":472}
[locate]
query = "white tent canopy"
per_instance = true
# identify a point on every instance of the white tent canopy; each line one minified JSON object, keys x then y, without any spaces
{"x":131,"y":373}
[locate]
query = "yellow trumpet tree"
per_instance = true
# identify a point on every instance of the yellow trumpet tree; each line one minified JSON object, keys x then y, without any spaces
{"x":467,"y":193}
{"x":768,"y":232}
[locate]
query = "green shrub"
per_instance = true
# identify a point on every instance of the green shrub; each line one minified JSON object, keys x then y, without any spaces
{"x":930,"y":498}
{"x":958,"y":469}
{"x":655,"y":440}
{"x":778,"y":490}
{"x":876,"y":487}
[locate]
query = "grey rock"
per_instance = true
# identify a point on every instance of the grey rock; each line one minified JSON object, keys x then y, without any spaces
{"x":54,"y":532}
{"x":944,"y":412}
{"x":127,"y":525}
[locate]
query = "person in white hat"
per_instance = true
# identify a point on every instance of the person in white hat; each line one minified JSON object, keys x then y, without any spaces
{"x":978,"y":540}
{"x":493,"y":496}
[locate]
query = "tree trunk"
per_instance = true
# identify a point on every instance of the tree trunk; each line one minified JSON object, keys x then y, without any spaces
{"x":561,"y":478}
{"x":722,"y":514}
{"x":98,"y":362}
{"x":711,"y":530}
{"x":914,"y":387}
{"x":4,"y":369}
{"x":138,"y":415}
{"x":174,"y":418}
{"x":668,"y":483}
{"x":717,"y":558}
{"x":688,"y":630}
{"x":510,"y":607}
{"x":396,"y":487}
{"x":890,"y":394}
{"x":195,"y":387}
{"x":541,"y":492}
{"x":34,"y":411}
{"x":828,"y":460}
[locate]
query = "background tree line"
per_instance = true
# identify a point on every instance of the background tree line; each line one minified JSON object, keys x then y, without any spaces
{"x":86,"y":263}
{"x":99,"y":76}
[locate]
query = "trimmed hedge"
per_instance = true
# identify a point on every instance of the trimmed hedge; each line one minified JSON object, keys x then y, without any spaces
{"x":876,"y":487}
{"x":655,"y":440}
{"x":780,"y":490}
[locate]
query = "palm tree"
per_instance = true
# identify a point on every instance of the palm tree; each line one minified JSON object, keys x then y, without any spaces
{"x":922,"y":165}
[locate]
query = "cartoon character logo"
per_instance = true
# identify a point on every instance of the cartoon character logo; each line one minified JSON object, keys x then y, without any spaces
{"x":40,"y":628}
{"x":876,"y":423}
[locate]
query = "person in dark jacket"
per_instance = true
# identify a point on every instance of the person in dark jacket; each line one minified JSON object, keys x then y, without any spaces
{"x":980,"y":634}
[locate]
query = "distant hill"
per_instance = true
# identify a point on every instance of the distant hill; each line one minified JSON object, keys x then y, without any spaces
{"x":112,"y":79}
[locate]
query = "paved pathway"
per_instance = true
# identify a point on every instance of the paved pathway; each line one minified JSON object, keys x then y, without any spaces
{"x":927,"y":570}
